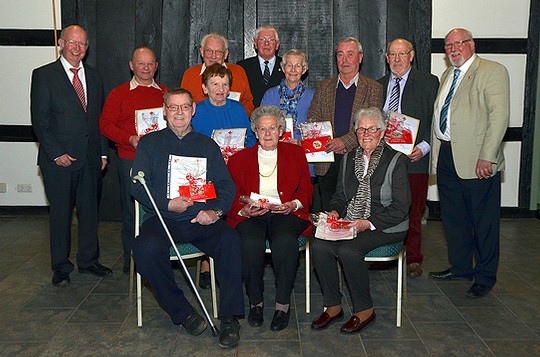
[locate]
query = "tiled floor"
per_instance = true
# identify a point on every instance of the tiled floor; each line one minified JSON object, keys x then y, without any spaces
{"x":97,"y":317}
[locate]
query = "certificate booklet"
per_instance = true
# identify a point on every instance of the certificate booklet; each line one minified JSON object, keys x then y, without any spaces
{"x":314,"y":138}
{"x":256,"y":200}
{"x":288,"y":132}
{"x":230,"y":141}
{"x":149,"y":120}
{"x":332,"y":229}
{"x":401,"y":131}
{"x":187,"y":178}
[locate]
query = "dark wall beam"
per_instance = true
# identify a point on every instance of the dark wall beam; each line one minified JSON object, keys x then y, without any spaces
{"x":16,"y":37}
{"x":490,"y":45}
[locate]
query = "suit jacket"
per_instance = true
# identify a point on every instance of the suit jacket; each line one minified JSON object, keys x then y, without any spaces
{"x":256,"y":80}
{"x":369,"y":93}
{"x":392,"y":216}
{"x":417,"y":101}
{"x":59,"y":120}
{"x":293,"y":181}
{"x":479,"y":116}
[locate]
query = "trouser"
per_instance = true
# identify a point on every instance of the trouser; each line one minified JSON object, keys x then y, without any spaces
{"x":419,"y":188}
{"x":128,"y":206}
{"x":328,"y":182}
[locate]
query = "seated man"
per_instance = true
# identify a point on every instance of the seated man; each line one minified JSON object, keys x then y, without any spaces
{"x":189,"y":222}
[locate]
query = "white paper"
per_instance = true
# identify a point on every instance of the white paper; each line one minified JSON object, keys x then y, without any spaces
{"x":401,"y":132}
{"x":179,"y":169}
{"x":149,"y":120}
{"x":317,"y":129}
{"x":234,"y":95}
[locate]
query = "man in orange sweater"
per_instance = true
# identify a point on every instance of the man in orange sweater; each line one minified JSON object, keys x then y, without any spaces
{"x":215,"y":49}
{"x":117,"y":122}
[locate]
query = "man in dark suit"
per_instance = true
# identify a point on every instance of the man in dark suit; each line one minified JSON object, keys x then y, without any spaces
{"x":66,"y":100}
{"x":337,"y":100}
{"x":472,"y":111}
{"x":266,"y":42}
{"x":415,"y":94}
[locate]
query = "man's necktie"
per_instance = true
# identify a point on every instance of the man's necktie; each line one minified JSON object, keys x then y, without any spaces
{"x":266,"y":74}
{"x":443,"y":121}
{"x":77,"y":84}
{"x":393,"y":104}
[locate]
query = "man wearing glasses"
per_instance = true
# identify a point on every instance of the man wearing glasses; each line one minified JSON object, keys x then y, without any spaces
{"x":215,"y":49}
{"x":264,"y":70}
{"x":472,"y":112}
{"x":66,"y":99}
{"x":198,"y":223}
{"x":412,"y":93}
{"x":117,"y":123}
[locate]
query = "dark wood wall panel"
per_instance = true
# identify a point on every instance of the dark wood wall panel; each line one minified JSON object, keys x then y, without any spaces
{"x":320,"y":47}
{"x":175,"y":49}
{"x":420,"y":32}
{"x":372,"y":33}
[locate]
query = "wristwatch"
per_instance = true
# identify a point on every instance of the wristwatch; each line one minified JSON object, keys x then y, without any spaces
{"x":219,"y":213}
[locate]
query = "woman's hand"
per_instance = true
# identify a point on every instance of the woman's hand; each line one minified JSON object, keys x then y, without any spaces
{"x":252,"y":211}
{"x":284,"y":208}
{"x":333,"y":215}
{"x":361,"y":225}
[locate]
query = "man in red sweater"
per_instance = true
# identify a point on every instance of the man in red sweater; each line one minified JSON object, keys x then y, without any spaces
{"x":117,"y":122}
{"x":215,"y":49}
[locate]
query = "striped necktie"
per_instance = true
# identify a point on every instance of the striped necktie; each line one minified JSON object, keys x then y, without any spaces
{"x":266,"y":74}
{"x":77,"y":84}
{"x":443,"y":121}
{"x":393,"y":104}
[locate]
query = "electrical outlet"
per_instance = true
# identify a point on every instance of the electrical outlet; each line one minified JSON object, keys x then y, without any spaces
{"x":3,"y":187}
{"x":24,"y":187}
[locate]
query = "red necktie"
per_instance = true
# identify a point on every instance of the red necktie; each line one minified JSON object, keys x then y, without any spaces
{"x":77,"y":84}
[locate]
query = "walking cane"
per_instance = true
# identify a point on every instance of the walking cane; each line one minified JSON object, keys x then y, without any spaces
{"x":140,"y":178}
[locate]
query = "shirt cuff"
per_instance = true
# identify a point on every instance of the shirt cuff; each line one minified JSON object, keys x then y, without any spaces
{"x":298,"y":205}
{"x":424,"y":147}
{"x":371,"y":226}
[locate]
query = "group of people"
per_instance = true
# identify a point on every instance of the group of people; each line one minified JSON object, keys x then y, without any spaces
{"x":382,"y":192}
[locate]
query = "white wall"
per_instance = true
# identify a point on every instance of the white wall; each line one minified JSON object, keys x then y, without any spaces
{"x":18,"y":160}
{"x":490,"y":19}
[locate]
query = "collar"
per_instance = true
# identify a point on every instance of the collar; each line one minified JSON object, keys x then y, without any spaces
{"x":465,"y":66}
{"x":271,"y":61}
{"x":203,"y":68}
{"x":134,"y":84}
{"x":347,"y":86}
{"x":403,"y":77}
{"x":67,"y":66}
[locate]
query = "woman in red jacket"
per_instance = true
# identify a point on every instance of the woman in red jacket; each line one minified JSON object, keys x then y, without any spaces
{"x":279,"y":172}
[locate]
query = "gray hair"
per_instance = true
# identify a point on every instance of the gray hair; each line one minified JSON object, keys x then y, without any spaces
{"x":216,"y":36}
{"x":264,"y":28}
{"x":350,"y":39}
{"x":467,"y":32}
{"x":370,"y":113}
{"x":267,"y":111}
{"x":294,"y":52}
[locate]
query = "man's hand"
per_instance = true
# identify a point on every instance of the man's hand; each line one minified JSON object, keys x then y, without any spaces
{"x":179,"y":204}
{"x":134,"y":141}
{"x":335,"y":145}
{"x":415,"y":155}
{"x":206,"y":217}
{"x":65,"y":160}
{"x":104,"y":163}
{"x":484,"y":169}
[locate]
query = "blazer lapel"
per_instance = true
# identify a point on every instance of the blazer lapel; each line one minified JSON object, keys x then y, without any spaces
{"x":466,"y":82}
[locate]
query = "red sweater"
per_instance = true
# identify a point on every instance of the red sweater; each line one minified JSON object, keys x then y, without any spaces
{"x":117,"y":120}
{"x":192,"y":81}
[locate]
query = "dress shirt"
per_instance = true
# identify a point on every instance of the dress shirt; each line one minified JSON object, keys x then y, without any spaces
{"x":271,"y":64}
{"x":67,"y":66}
{"x":347,"y":86}
{"x":134,"y":84}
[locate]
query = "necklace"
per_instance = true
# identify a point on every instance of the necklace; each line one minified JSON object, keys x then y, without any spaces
{"x":271,"y":173}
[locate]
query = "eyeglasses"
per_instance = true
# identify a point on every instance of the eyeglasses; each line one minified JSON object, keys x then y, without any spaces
{"x":456,"y":44}
{"x":371,"y":130}
{"x":272,"y":130}
{"x":72,"y":43}
{"x":398,"y":54}
{"x":183,"y":107}
{"x":266,"y":39}
{"x":297,"y":66}
{"x":218,"y":53}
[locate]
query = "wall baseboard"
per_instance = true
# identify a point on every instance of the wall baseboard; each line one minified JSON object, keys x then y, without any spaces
{"x":506,"y":212}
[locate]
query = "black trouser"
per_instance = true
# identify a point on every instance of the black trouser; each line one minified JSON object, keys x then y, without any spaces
{"x":327,"y":183}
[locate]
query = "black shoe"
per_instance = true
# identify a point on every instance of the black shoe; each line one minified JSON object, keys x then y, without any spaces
{"x":446,"y":275}
{"x":478,"y":290}
{"x":60,"y":279}
{"x":97,"y":270}
{"x":280,"y":320}
{"x":230,"y":332}
{"x":195,"y":324}
{"x":255,"y":317}
{"x":204,"y":280}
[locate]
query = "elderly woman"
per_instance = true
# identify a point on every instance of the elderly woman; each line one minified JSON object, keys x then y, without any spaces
{"x":217,"y":111}
{"x":277,"y":170}
{"x":291,"y":95}
{"x":372,"y":193}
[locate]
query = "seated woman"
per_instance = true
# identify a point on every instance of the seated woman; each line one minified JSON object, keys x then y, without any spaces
{"x":373,"y":193}
{"x":218,"y":112}
{"x":278,"y":170}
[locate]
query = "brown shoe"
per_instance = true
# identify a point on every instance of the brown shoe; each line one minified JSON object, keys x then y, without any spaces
{"x":415,"y":270}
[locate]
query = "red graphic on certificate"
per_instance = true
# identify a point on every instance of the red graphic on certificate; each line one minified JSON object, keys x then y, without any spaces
{"x":401,"y":131}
